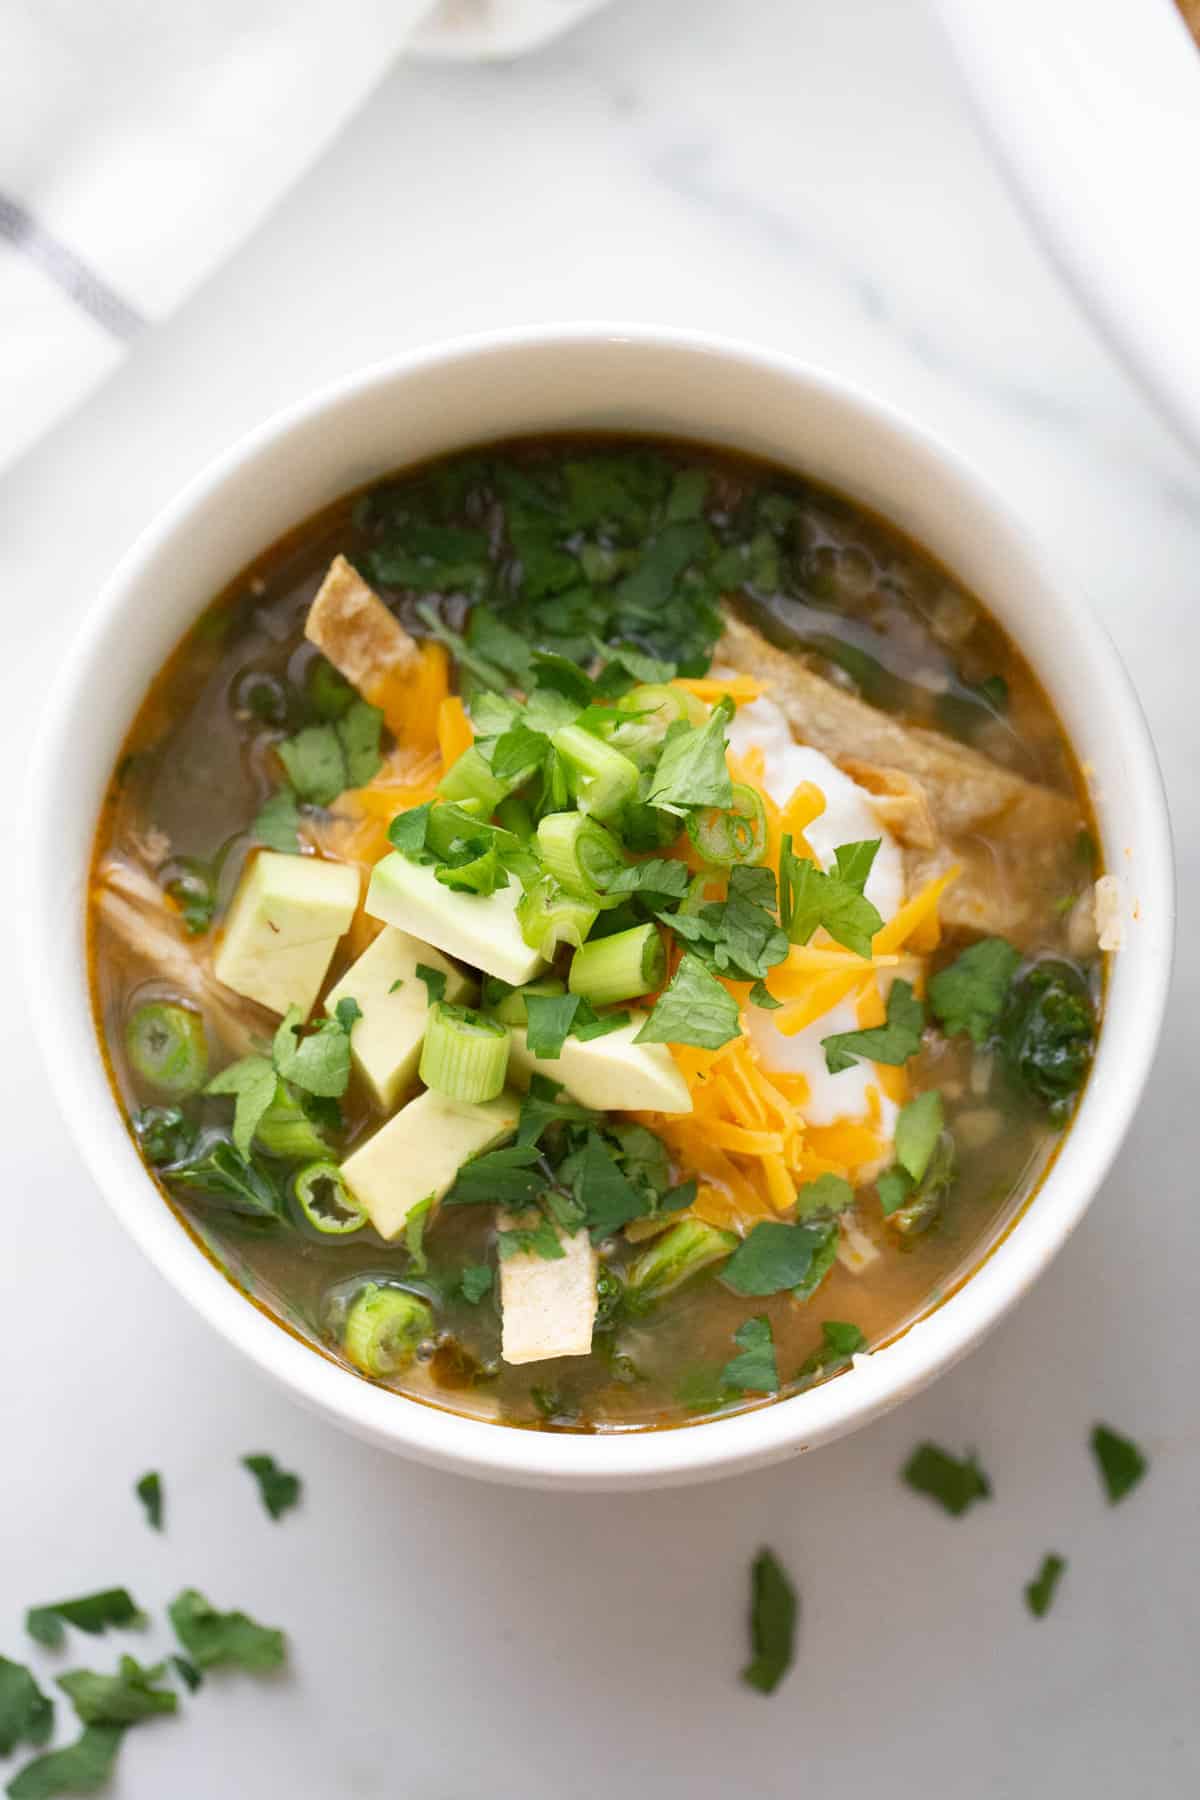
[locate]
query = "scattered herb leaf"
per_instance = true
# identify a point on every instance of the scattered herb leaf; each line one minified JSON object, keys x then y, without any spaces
{"x":773,"y":1609}
{"x":954,"y":1483}
{"x":278,"y":1488}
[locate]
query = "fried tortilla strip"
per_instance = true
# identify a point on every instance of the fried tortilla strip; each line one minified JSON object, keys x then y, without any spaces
{"x":966,"y":790}
{"x":1010,"y":835}
{"x":349,"y":623}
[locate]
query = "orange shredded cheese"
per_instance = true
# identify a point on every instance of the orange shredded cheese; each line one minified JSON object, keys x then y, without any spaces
{"x":914,"y":913}
{"x":410,"y":695}
{"x":740,"y":688}
{"x":454,"y":734}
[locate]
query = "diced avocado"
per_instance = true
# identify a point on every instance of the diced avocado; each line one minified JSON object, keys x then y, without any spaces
{"x":418,"y":1153}
{"x":386,"y":1042}
{"x":283,"y":927}
{"x":610,"y":1073}
{"x":547,"y":1307}
{"x":480,"y":929}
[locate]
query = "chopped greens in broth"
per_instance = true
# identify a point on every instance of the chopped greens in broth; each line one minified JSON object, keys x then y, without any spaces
{"x":594,"y":934}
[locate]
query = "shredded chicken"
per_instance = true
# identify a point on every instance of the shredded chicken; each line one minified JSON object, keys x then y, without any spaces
{"x":1006,"y":833}
{"x":350,"y":624}
{"x":132,"y":905}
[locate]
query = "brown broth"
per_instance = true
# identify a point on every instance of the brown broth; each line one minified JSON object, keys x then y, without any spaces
{"x":874,"y":609}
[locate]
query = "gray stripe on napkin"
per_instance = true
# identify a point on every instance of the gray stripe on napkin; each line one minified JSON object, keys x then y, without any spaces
{"x":92,"y":295}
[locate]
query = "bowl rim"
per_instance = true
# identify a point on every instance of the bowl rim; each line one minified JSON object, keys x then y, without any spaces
{"x":709,"y":1448}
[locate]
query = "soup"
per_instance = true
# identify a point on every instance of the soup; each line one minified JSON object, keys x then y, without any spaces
{"x":594,"y":934}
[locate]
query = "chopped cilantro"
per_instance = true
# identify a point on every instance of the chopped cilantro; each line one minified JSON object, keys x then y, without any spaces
{"x":589,"y":1024}
{"x":549,"y":1019}
{"x":824,"y":1257}
{"x":80,"y":1768}
{"x":211,"y":1637}
{"x":955,"y":1484}
{"x":149,"y":1492}
{"x":969,"y":994}
{"x":773,"y":1609}
{"x":918,"y":1129}
{"x":408,"y":830}
{"x":761,"y":995}
{"x":252,"y":1080}
{"x":774,"y":1256}
{"x":435,"y":982}
{"x":691,"y":769}
{"x":358,"y":733}
{"x":1047,"y":1034}
{"x":657,"y":880}
{"x":892,"y":1043}
{"x":738,"y":936}
{"x":278,"y":1489}
{"x":894,"y":1187}
{"x":93,"y":1613}
{"x":1120,"y":1462}
{"x":119,"y":1699}
{"x":840,"y":1344}
{"x":1039,"y":1593}
{"x":187,"y":1672}
{"x":474,"y":1282}
{"x":809,"y":897}
{"x":347,"y":1012}
{"x":608,"y":1199}
{"x":826,"y":1194}
{"x":755,"y":1370}
{"x":319,"y":1062}
{"x":233,"y":1181}
{"x":26,"y":1714}
{"x":540,"y":1239}
{"x":543,"y":1106}
{"x":511,"y":1177}
{"x":278,"y":823}
{"x":694,"y":1009}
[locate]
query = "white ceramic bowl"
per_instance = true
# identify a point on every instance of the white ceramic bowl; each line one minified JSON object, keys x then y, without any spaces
{"x":640,"y":380}
{"x":1093,"y":107}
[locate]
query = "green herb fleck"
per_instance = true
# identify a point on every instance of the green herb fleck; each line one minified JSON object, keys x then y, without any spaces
{"x":149,"y":1492}
{"x":26,"y":1714}
{"x":755,"y":1370}
{"x":211,"y":1637}
{"x":892,"y":1043}
{"x":1120,"y":1462}
{"x":549,"y":1017}
{"x":955,"y":1484}
{"x":474,"y":1282}
{"x":773,"y":1609}
{"x":81,"y":1768}
{"x":93,"y":1613}
{"x":119,"y":1699}
{"x":278,"y":1489}
{"x":277,"y":826}
{"x":969,"y":995}
{"x":435,"y":982}
{"x":1039,"y":1593}
{"x":694,"y":1009}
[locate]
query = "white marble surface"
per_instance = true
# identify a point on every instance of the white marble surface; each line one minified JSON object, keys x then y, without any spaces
{"x":806,"y":175}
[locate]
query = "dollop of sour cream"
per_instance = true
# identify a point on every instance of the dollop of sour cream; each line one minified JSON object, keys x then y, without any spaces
{"x":848,"y":818}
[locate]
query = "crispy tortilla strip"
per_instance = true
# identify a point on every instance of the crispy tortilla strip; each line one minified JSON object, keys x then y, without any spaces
{"x":1010,"y":835}
{"x":349,"y":623}
{"x":898,"y":802}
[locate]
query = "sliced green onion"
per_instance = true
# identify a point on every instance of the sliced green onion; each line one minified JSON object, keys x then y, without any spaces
{"x":286,"y":1130}
{"x":602,"y":780}
{"x":736,"y":834}
{"x":511,"y":1009}
{"x":579,"y":853}
{"x":383,"y":1328}
{"x":326,"y":1201}
{"x":167,"y":1047}
{"x":465,"y":1055}
{"x":470,"y":778}
{"x":675,"y":1257}
{"x":619,"y":967}
{"x":514,"y":815}
{"x":652,"y":709}
{"x":549,"y":917}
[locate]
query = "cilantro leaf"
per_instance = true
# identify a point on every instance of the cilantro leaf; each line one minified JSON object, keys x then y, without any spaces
{"x":187,"y":1672}
{"x":537,"y":1240}
{"x":607,"y":1198}
{"x":278,"y":823}
{"x":854,"y":862}
{"x":969,"y":995}
{"x":826,"y":1194}
{"x":93,"y":1613}
{"x":691,"y":769}
{"x":955,"y":1484}
{"x":772,"y":1257}
{"x":407,"y":831}
{"x":119,"y":1699}
{"x":320,"y":1062}
{"x":543,"y":1106}
{"x":694,"y":1009}
{"x":894,"y":1187}
{"x":824,"y":1257}
{"x":80,"y":1768}
{"x":1039,"y":1593}
{"x":315,"y":763}
{"x":549,"y":1019}
{"x":755,"y":1370}
{"x":278,"y":1489}
{"x":211,"y":1637}
{"x":149,"y":1492}
{"x":658,"y":880}
{"x":589,"y":1024}
{"x":518,"y":752}
{"x":358,"y":732}
{"x":840,"y":1344}
{"x":510,"y":1177}
{"x":26,"y":1714}
{"x":230,"y":1179}
{"x":474,"y":1282}
{"x":810,"y":897}
{"x":490,"y":637}
{"x":252,"y":1080}
{"x":761,"y":995}
{"x":1120,"y":1462}
{"x":435,"y":982}
{"x":773,"y":1609}
{"x":892,"y":1043}
{"x":918,"y":1129}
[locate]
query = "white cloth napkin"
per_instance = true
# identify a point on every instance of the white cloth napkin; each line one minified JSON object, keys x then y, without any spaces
{"x":141,"y":142}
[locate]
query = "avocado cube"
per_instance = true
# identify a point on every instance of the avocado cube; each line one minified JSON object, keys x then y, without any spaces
{"x":479,"y":929}
{"x":385,"y":1042}
{"x":420,"y":1150}
{"x":610,"y":1073}
{"x":283,"y":927}
{"x":548,"y":1308}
